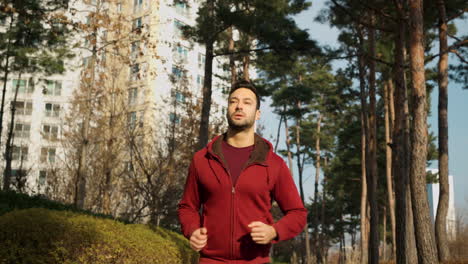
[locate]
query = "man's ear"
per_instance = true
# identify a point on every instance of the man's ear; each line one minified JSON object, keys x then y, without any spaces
{"x":257,"y":114}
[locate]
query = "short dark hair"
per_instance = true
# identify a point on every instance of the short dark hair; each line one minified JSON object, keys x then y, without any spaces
{"x":247,"y":85}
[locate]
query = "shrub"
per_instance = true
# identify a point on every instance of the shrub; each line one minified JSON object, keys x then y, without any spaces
{"x":45,"y":236}
{"x":10,"y":201}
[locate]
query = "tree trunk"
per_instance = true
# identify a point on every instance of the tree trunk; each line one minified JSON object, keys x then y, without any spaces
{"x":384,"y":234}
{"x":207,"y":84}
{"x":317,"y":176}
{"x":372,"y":175}
{"x":427,"y":251}
{"x":364,"y":149}
{"x":405,"y":248}
{"x":388,"y":167}
{"x":6,"y":71}
{"x":278,"y":132}
{"x":442,"y":208}
{"x":322,"y":224}
{"x":288,"y":145}
{"x":232,"y":62}
{"x":246,"y":60}
{"x":9,"y":143}
{"x":81,"y":180}
{"x":300,"y":167}
{"x":294,"y":258}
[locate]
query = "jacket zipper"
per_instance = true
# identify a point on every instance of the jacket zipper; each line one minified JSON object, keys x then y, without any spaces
{"x":233,"y":193}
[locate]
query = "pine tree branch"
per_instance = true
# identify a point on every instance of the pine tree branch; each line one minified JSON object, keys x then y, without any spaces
{"x":246,"y":51}
{"x":462,"y":59}
{"x":378,"y":11}
{"x":457,"y":15}
{"x":359,"y":21}
{"x":461,"y":43}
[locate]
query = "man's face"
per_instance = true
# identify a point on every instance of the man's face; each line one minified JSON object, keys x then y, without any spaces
{"x":242,"y":109}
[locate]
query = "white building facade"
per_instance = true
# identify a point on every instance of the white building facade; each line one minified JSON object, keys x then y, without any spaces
{"x":433,"y":196}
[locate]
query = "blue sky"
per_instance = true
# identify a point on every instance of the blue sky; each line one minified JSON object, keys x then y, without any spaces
{"x":458,"y":110}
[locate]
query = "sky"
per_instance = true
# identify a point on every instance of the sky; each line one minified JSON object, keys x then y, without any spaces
{"x":458,"y":111}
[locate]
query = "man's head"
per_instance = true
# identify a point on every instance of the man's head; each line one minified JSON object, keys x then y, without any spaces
{"x":243,"y":106}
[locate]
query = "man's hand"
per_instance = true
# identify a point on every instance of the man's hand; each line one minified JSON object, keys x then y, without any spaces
{"x":262,"y":233}
{"x":198,"y":239}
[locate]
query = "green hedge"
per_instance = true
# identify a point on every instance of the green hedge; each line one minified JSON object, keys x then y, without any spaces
{"x":10,"y":201}
{"x":43,"y":236}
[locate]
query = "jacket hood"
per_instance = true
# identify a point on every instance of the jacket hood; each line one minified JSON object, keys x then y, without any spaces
{"x":261,"y":152}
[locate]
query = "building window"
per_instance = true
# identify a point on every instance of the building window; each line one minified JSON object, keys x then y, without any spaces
{"x":19,"y":153}
{"x":53,"y":88}
{"x":138,"y":23}
{"x":181,"y":7}
{"x":177,"y":73}
{"x":119,"y":7}
{"x":132,"y":96}
{"x":135,"y":72}
{"x":48,"y":155}
{"x":24,"y":86}
{"x":132,"y":119}
{"x":86,"y":62}
{"x":50,"y":132}
{"x":178,"y":28}
{"x":179,"y":97}
{"x":201,"y":60}
{"x":23,"y":108}
{"x":180,"y":53}
{"x":137,"y":5}
{"x":52,"y":110}
{"x":200,"y":81}
{"x":22,"y":130}
{"x":42,"y":177}
{"x":135,"y":49}
{"x":174,"y":118}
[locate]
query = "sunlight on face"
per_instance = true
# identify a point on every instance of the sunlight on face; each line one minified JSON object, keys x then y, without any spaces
{"x":242,"y":109}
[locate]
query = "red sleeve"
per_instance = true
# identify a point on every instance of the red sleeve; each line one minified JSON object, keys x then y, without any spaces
{"x":286,"y":195}
{"x":189,"y":206}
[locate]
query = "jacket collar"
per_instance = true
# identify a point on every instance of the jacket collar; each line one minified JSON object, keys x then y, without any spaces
{"x":259,"y":154}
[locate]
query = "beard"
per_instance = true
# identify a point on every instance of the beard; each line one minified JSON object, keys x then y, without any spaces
{"x":240,"y":125}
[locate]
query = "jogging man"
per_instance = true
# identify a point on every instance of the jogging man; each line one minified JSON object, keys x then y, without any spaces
{"x":233,"y":180}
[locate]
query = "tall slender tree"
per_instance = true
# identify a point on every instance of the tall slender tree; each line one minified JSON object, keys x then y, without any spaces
{"x":427,"y":251}
{"x":442,"y":207}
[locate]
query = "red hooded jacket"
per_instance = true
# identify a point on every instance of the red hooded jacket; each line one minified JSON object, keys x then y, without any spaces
{"x":227,"y":210}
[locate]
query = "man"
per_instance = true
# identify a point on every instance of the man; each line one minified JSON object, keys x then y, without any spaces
{"x":234,"y":179}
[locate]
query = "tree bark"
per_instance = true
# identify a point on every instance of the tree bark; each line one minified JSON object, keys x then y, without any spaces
{"x":232,"y":62}
{"x":384,"y":234}
{"x":364,"y":149}
{"x":246,"y":60}
{"x":427,"y":251}
{"x":388,"y":166}
{"x":290,"y":163}
{"x":317,"y":176}
{"x":322,"y":224}
{"x":300,"y":167}
{"x":9,"y":142}
{"x":278,"y":132}
{"x":6,"y":71}
{"x":372,"y":175}
{"x":207,"y":87}
{"x":405,"y":248}
{"x":81,"y":180}
{"x":442,"y":208}
{"x":288,"y":145}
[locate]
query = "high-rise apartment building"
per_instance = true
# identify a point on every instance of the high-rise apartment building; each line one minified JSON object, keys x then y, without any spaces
{"x":433,"y":196}
{"x":142,"y":47}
